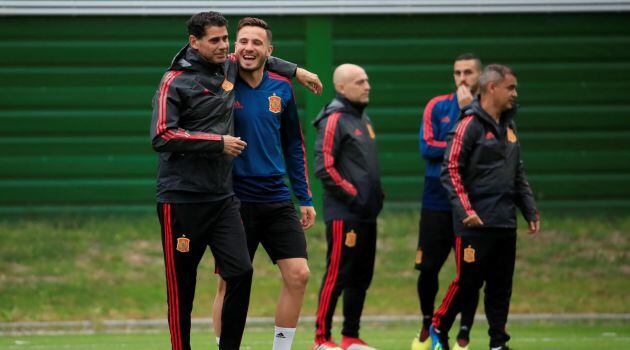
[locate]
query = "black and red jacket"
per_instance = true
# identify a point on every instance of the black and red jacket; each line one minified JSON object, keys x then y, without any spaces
{"x":483,"y":171}
{"x":192,"y":108}
{"x":346,"y":161}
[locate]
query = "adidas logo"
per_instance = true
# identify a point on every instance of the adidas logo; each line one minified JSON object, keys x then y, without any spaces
{"x":280,"y":335}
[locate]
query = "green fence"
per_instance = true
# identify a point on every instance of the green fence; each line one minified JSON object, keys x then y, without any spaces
{"x":75,"y":97}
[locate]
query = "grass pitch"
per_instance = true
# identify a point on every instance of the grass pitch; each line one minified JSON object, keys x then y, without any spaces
{"x":390,"y":336}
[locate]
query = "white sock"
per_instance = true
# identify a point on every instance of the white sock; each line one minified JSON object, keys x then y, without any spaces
{"x":218,"y":340}
{"x":283,"y":338}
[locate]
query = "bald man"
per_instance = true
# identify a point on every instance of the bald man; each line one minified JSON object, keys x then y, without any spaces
{"x":346,"y":162}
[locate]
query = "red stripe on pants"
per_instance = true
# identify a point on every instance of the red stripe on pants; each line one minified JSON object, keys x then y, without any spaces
{"x":452,"y":289}
{"x":331,"y":280}
{"x":171,"y":281}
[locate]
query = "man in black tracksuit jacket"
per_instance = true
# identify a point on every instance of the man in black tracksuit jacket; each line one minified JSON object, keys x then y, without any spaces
{"x":483,"y":174}
{"x":346,"y":162}
{"x":190,"y":128}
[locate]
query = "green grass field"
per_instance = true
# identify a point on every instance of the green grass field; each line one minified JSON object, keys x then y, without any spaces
{"x":111,"y":267}
{"x":391,"y":336}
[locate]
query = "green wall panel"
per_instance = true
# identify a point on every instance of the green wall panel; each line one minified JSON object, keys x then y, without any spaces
{"x":75,"y":97}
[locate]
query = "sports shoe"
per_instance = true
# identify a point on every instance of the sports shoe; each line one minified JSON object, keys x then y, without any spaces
{"x":418,"y":344}
{"x":327,"y":345}
{"x":438,"y":342}
{"x":350,"y":343}
{"x":457,"y":346}
{"x":502,"y":347}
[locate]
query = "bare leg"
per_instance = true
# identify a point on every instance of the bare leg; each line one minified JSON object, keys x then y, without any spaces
{"x":295,"y":274}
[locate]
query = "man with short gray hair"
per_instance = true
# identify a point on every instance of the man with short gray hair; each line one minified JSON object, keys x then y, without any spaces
{"x":483,"y":174}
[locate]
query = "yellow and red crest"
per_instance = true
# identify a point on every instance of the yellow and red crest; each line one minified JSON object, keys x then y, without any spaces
{"x":511,"y":135}
{"x":351,"y":239}
{"x":469,"y":255}
{"x":227,"y":86}
{"x":371,"y":131}
{"x":183,"y":244}
{"x":275,"y":104}
{"x":419,"y":256}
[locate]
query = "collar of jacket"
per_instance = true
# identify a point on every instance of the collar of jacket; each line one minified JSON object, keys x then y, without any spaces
{"x":476,"y":109}
{"x":189,"y":59}
{"x":353,"y":108}
{"x":340,"y":104}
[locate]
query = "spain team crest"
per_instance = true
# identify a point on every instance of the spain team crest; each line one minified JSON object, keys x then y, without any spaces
{"x":469,"y":254}
{"x":351,"y":239}
{"x":419,"y":256}
{"x":183,"y":244}
{"x":371,"y":131}
{"x":511,"y":135}
{"x":227,"y":86}
{"x":275,"y":104}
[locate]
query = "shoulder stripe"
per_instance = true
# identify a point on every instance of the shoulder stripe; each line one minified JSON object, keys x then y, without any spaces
{"x":427,"y":133}
{"x":164,"y":87}
{"x":329,"y":159}
{"x":453,"y":164}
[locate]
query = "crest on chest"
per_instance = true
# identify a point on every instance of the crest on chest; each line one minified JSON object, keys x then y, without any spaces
{"x":275,"y":104}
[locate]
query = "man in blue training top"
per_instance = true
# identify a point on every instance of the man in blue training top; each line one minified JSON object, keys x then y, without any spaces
{"x":266,"y":118}
{"x":436,"y":237}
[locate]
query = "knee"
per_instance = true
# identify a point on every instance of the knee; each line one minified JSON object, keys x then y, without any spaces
{"x":297,"y":278}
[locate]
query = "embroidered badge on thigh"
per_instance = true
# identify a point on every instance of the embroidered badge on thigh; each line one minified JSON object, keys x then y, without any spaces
{"x":419,"y":256}
{"x":351,"y":239}
{"x":469,"y":254}
{"x":183,"y":244}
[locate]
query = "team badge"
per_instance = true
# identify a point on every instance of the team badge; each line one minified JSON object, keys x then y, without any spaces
{"x":511,"y":135}
{"x":275,"y":104}
{"x":351,"y":239}
{"x":469,"y":254}
{"x":183,"y":244}
{"x":419,"y":256}
{"x":371,"y":131}
{"x":227,"y":85}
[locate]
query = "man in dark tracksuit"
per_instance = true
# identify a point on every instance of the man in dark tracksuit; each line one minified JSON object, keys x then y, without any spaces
{"x":483,"y":174}
{"x":191,"y":127}
{"x":346,"y":162}
{"x":436,"y":237}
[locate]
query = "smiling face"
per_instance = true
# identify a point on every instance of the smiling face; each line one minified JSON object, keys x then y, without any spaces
{"x":252,"y":47}
{"x":213,"y":45}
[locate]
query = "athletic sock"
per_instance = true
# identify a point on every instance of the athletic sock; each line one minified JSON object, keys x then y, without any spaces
{"x":283,"y":338}
{"x":218,"y":340}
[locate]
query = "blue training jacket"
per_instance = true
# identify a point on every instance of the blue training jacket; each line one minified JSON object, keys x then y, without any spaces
{"x":438,"y":119}
{"x":266,"y":118}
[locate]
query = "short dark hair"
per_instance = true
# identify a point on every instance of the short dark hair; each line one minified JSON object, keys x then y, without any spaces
{"x":470,"y":56}
{"x":495,"y":73}
{"x":197,"y":24}
{"x":254,"y":22}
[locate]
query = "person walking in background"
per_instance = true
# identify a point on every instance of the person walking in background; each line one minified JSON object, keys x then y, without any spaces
{"x":484,"y":176}
{"x":266,"y":117}
{"x":346,"y":162}
{"x":436,"y":237}
{"x":191,"y":128}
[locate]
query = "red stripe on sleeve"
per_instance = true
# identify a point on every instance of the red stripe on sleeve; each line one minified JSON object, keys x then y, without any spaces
{"x":329,"y":159}
{"x":427,"y":133}
{"x":308,"y":183}
{"x":453,"y":166}
{"x":166,"y":82}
